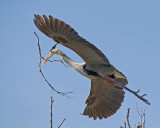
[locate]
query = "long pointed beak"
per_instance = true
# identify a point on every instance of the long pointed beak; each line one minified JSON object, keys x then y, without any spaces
{"x":45,"y":60}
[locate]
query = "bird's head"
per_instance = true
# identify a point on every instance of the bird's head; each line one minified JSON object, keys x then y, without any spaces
{"x":53,"y":51}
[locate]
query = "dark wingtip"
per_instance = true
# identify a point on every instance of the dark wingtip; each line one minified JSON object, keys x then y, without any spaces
{"x":35,"y":22}
{"x":44,"y":15}
{"x":34,"y":17}
{"x":50,"y":17}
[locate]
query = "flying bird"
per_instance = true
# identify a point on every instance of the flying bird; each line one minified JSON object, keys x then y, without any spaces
{"x":106,"y":94}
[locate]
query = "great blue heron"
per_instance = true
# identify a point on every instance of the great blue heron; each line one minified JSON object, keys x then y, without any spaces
{"x":107,"y":82}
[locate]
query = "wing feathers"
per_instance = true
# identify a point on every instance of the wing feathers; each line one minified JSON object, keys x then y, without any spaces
{"x":41,"y":25}
{"x":107,"y":99}
{"x":57,"y":25}
{"x":62,"y":33}
{"x":46,"y":20}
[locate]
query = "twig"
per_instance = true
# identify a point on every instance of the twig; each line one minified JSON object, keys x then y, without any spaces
{"x":128,"y":118}
{"x":61,"y":93}
{"x":125,"y":125}
{"x":138,"y":110}
{"x":136,"y":94}
{"x":56,"y":60}
{"x":144,"y":120}
{"x":140,"y":124}
{"x":142,"y":117}
{"x":62,"y":123}
{"x":51,"y":112}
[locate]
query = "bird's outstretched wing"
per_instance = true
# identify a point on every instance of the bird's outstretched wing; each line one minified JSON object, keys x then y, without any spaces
{"x":104,"y":99}
{"x":62,"y":33}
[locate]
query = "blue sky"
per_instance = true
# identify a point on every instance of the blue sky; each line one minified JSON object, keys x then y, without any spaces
{"x":126,"y":31}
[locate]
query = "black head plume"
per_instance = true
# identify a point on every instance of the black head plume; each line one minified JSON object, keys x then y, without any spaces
{"x":53,"y":47}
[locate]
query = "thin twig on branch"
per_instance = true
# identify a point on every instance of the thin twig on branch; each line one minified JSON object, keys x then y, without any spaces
{"x":125,"y":125}
{"x":140,"y":124}
{"x":61,"y":93}
{"x":51,"y":126}
{"x":136,"y":94}
{"x":142,"y":117}
{"x":51,"y":112}
{"x":56,"y":60}
{"x":62,"y":122}
{"x":128,"y":118}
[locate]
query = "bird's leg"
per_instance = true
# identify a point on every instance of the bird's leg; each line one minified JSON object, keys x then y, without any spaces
{"x":112,"y":81}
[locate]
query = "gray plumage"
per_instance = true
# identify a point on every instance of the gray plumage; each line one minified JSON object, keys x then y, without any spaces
{"x":106,"y":93}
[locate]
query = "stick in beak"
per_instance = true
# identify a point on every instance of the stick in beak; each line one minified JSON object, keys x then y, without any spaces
{"x":50,"y":54}
{"x":45,"y":60}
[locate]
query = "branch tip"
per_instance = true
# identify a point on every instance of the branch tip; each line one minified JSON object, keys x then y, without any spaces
{"x":58,"y":92}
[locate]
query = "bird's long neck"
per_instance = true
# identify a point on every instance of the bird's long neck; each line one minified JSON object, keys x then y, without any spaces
{"x":69,"y":61}
{"x":79,"y":67}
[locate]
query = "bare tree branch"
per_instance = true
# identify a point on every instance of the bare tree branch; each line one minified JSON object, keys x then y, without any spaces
{"x":51,"y":126}
{"x":61,"y":93}
{"x":136,"y":94}
{"x":141,"y":117}
{"x":51,"y":112}
{"x":128,"y":118}
{"x":144,"y":119}
{"x":125,"y":125}
{"x":138,"y":110}
{"x":140,"y":124}
{"x":62,"y":122}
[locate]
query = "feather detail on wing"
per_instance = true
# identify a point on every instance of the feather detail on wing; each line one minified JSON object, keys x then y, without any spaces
{"x":62,"y":33}
{"x":104,"y":99}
